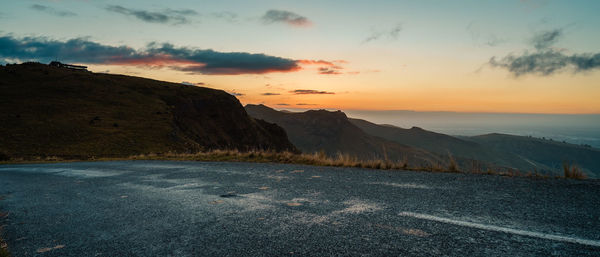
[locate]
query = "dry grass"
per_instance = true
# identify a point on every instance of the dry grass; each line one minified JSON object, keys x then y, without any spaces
{"x":452,"y":166}
{"x":317,"y":159}
{"x":573,"y":171}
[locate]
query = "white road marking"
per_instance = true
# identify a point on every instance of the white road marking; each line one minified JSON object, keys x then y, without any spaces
{"x":502,"y":229}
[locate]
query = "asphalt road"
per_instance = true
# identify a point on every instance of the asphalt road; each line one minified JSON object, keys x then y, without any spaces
{"x":154,"y":208}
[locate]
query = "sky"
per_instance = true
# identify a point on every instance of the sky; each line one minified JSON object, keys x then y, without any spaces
{"x":510,"y":56}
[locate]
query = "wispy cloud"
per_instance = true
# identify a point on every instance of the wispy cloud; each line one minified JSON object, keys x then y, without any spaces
{"x":545,"y":39}
{"x":236,"y":94}
{"x":483,"y":38}
{"x":270,"y":94}
{"x":283,"y":104}
{"x":167,"y":16}
{"x":329,"y":71}
{"x":192,"y":83}
{"x":226,"y":16}
{"x":327,"y":67}
{"x":310,"y":92}
{"x":304,"y":104}
{"x":287,"y":17}
{"x":392,"y":34}
{"x":52,"y":11}
{"x":546,"y":60}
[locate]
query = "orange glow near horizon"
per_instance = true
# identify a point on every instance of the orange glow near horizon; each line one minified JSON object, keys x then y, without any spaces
{"x":494,"y":91}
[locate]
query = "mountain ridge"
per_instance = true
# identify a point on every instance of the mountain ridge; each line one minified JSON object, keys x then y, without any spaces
{"x":471,"y":153}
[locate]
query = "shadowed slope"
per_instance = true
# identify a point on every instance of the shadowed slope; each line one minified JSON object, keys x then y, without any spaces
{"x":551,"y":154}
{"x":331,"y":132}
{"x":51,"y":111}
{"x":523,"y":153}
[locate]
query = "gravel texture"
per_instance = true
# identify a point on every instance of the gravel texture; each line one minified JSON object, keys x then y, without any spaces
{"x":159,"y":208}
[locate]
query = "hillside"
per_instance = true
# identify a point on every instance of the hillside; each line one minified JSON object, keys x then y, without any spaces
{"x":544,"y":153}
{"x":518,"y":152}
{"x":443,"y":144}
{"x":52,"y":111}
{"x":331,"y":132}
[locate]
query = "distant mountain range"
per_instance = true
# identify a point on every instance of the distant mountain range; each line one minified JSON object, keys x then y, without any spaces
{"x":333,"y":132}
{"x":57,"y":111}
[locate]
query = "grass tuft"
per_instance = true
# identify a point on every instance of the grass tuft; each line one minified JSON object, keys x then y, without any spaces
{"x":573,"y":171}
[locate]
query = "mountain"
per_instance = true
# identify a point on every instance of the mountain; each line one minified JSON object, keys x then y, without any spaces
{"x":545,"y":154}
{"x":57,"y":111}
{"x":332,"y":132}
{"x":517,"y":152}
{"x":443,"y":144}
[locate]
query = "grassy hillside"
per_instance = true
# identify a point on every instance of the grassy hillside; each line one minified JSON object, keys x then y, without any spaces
{"x":443,"y":144}
{"x":331,"y":132}
{"x":546,"y":153}
{"x":51,"y":111}
{"x":521,"y":153}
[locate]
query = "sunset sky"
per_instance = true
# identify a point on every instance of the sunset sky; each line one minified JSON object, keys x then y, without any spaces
{"x":535,"y":56}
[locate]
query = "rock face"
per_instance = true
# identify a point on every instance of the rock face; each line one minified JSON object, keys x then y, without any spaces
{"x":54,"y":111}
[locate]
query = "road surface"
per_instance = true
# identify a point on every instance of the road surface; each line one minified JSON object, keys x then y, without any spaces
{"x":158,"y":208}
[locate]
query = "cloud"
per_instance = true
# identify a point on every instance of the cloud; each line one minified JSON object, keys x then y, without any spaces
{"x":236,"y":94}
{"x":328,"y":67}
{"x":52,"y":11}
{"x":546,"y":39}
{"x":270,"y":94}
{"x":167,"y":16}
{"x":192,"y":83}
{"x":282,"y":104}
{"x":290,"y":18}
{"x":546,"y":60}
{"x":196,"y":61}
{"x":316,"y":62}
{"x":391,"y":34}
{"x":226,"y":16}
{"x":304,"y":104}
{"x":329,"y":71}
{"x":310,"y":92}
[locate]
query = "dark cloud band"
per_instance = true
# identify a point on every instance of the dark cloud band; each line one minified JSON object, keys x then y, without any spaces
{"x":546,"y":62}
{"x":81,"y":50}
